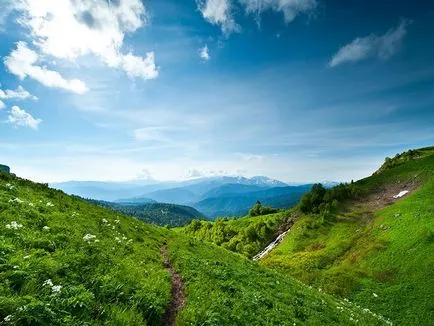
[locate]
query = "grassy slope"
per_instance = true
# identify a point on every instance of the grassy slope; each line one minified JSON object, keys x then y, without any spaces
{"x":51,"y":275}
{"x":108,"y":280}
{"x":246,"y":235}
{"x":224,"y":288}
{"x":382,"y":259}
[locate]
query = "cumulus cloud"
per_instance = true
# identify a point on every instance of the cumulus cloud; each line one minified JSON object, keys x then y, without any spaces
{"x":290,"y":8}
{"x":69,"y":29}
{"x":21,"y":118}
{"x":2,"y":105}
{"x":20,"y":94}
{"x":219,"y":12}
{"x":383,"y":46}
{"x":204,"y":53}
{"x":22,"y":62}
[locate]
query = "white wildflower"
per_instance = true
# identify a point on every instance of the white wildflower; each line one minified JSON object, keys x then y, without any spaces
{"x":104,"y":220}
{"x":14,"y":226}
{"x":96,"y":240}
{"x":117,"y":221}
{"x":9,"y":186}
{"x":48,"y":282}
{"x":8,"y":318}
{"x":375,"y":295}
{"x":31,"y":205}
{"x":56,"y":288}
{"x":50,"y":204}
{"x":16,"y":200}
{"x":124,"y":238}
{"x":89,"y":237}
{"x":46,"y":228}
{"x":118,"y":240}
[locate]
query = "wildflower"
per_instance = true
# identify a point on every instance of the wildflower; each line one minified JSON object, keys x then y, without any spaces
{"x":14,"y":225}
{"x":9,"y":186}
{"x":8,"y":318}
{"x":97,"y":240}
{"x":31,"y":205}
{"x":50,"y":204}
{"x":16,"y":200}
{"x":48,"y":282}
{"x":118,"y":240}
{"x":117,"y":221}
{"x":89,"y":237}
{"x":26,"y":257}
{"x":104,"y":220}
{"x":56,"y":288}
{"x":124,"y":238}
{"x":375,"y":295}
{"x":46,"y":228}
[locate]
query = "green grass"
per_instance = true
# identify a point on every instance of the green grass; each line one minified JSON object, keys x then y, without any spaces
{"x":380,"y":259}
{"x":246,"y":235}
{"x":115,"y":278}
{"x":224,"y":288}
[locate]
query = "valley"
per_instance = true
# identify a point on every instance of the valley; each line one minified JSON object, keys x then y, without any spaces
{"x":343,"y":256}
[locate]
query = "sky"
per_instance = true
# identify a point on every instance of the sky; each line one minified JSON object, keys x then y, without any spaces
{"x":297,"y":90}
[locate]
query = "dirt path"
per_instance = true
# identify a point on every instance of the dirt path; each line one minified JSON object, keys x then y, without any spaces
{"x":178,"y":296}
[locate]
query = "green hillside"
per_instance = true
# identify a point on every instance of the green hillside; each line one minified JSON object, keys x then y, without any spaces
{"x":65,"y":261}
{"x":155,"y":213}
{"x":247,"y":235}
{"x":360,"y":243}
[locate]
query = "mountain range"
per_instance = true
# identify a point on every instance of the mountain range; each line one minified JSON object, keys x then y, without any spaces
{"x":212,"y":196}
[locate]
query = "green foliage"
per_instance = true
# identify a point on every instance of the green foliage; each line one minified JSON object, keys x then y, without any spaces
{"x":324,"y":201}
{"x":381,"y":259}
{"x":247,"y":235}
{"x":226,"y":289}
{"x":66,"y":262}
{"x":156,"y":213}
{"x":258,"y":210}
{"x":403,"y":158}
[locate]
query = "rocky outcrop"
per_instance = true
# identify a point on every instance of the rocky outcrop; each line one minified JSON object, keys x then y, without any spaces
{"x":5,"y":168}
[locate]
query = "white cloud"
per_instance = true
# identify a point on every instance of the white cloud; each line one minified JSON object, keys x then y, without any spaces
{"x":290,"y":8}
{"x":204,"y":53}
{"x":136,"y":66}
{"x":20,"y":94}
{"x":219,"y":12}
{"x":383,"y":47}
{"x":69,"y":29}
{"x":2,"y":105}
{"x":21,"y":118}
{"x":22,"y":63}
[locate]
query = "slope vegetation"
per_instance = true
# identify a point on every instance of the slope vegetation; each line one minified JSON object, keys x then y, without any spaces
{"x":65,"y":261}
{"x":371,"y":242}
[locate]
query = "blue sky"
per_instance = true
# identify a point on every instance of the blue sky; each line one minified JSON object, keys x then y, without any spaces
{"x":299,"y":90}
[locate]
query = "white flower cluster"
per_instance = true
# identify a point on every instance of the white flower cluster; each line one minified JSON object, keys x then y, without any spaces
{"x":16,"y":200}
{"x":31,"y":205}
{"x":9,"y":186}
{"x":46,"y":228}
{"x":14,"y":225}
{"x":89,"y":237}
{"x":104,"y":220}
{"x":54,"y":288}
{"x":8,"y":318}
{"x":50,"y":204}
